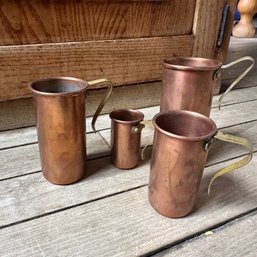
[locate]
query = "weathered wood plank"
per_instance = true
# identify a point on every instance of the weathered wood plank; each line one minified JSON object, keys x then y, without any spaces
{"x":25,"y":159}
{"x":239,"y":48}
{"x":236,"y":239}
{"x":54,"y":21}
{"x":234,"y":114}
{"x":122,"y":61}
{"x":233,"y":72}
{"x":19,"y":196}
{"x":252,"y":79}
{"x":18,"y":137}
{"x":126,"y":225}
{"x":102,"y":179}
{"x":236,"y":96}
{"x":250,"y":82}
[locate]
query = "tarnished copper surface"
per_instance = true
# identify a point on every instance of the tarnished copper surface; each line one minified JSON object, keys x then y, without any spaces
{"x":178,"y":160}
{"x":125,"y":137}
{"x":188,"y":84}
{"x":60,"y":119}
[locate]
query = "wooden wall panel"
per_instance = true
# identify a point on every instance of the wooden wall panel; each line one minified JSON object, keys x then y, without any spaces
{"x":122,"y":61}
{"x":53,"y":21}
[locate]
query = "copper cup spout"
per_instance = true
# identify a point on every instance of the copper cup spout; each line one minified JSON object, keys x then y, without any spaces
{"x":60,"y":119}
{"x":125,"y":137}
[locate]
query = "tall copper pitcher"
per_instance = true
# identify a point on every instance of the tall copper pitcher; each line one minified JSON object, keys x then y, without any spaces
{"x":60,"y":120}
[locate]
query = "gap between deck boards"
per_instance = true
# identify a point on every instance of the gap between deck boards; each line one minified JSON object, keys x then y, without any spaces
{"x":195,"y":237}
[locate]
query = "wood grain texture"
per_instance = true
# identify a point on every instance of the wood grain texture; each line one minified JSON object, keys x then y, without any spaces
{"x":13,"y":161}
{"x":235,"y":239}
{"x":102,"y":179}
{"x":206,"y":28}
{"x":36,"y":21}
{"x":234,"y":114}
{"x":122,"y":61}
{"x":17,"y":137}
{"x":126,"y":225}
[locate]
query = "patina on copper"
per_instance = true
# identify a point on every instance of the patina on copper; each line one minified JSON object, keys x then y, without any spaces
{"x":125,"y":137}
{"x":188,"y":84}
{"x":178,"y":160}
{"x":60,"y":120}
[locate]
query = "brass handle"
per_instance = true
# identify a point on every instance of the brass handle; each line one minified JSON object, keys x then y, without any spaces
{"x":104,"y":99}
{"x":137,"y":129}
{"x":245,"y":58}
{"x":236,"y":140}
{"x":148,"y":123}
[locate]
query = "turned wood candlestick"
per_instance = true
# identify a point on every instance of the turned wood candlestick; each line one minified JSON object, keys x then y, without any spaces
{"x":245,"y":28}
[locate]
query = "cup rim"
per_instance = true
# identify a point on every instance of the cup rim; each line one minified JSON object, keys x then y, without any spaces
{"x":127,"y":121}
{"x":171,"y":64}
{"x":186,"y":138}
{"x":82,"y":84}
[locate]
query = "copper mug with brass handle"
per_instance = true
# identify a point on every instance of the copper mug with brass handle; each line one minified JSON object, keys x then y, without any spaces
{"x":60,"y":120}
{"x":188,"y":83}
{"x":126,"y":128}
{"x":181,"y":143}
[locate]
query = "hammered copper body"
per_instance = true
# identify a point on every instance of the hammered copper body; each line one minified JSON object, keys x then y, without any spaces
{"x":178,"y":160}
{"x":60,"y":119}
{"x":188,"y":84}
{"x":125,"y":137}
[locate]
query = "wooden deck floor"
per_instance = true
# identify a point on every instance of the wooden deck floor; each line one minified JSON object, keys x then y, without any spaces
{"x":108,"y":214}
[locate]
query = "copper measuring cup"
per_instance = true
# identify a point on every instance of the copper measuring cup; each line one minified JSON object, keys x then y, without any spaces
{"x":181,"y":143}
{"x":126,"y":137}
{"x":60,"y":119}
{"x":188,"y":83}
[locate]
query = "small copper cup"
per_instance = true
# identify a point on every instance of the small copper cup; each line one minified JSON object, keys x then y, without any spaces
{"x":126,"y":137}
{"x":181,"y":143}
{"x":60,"y":120}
